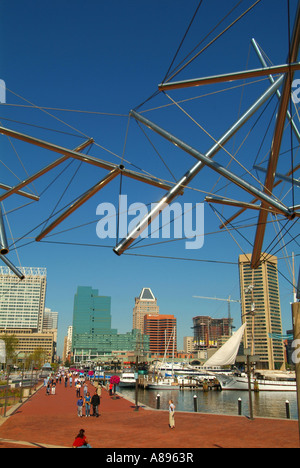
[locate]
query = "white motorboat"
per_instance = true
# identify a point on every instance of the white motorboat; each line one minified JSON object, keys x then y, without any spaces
{"x":168,"y":384}
{"x":182,"y":371}
{"x":263,"y":381}
{"x":127,"y":379}
{"x":174,"y":383}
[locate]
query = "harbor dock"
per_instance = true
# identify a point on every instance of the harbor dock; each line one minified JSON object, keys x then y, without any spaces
{"x":187,"y":384}
{"x":52,"y":421}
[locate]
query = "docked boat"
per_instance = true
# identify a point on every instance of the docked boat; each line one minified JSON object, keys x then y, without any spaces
{"x":263,"y":381}
{"x":167,"y":384}
{"x":127,"y":379}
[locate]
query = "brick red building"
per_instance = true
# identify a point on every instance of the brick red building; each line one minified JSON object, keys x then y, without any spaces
{"x":162,"y":330}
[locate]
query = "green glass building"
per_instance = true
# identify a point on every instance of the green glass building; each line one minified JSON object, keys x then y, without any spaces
{"x":92,"y":333}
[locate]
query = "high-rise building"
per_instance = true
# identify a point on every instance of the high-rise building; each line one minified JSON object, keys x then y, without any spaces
{"x":145,"y":304}
{"x":260,"y":287}
{"x":50,"y":320}
{"x":188,"y":344}
{"x":208,"y":331}
{"x":50,"y":325}
{"x":67,"y":351}
{"x":92,"y":333}
{"x":162,"y":332}
{"x":22,"y":303}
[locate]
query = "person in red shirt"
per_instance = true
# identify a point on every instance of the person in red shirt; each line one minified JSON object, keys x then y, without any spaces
{"x":81,"y":441}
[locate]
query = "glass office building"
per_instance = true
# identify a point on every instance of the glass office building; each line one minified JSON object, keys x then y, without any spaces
{"x":92,"y":333}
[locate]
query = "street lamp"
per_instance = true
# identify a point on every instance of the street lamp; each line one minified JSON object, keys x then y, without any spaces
{"x":248,"y":355}
{"x":249,"y":352}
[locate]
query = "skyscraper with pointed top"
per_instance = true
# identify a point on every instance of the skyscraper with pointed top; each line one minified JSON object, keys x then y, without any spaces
{"x":145,"y":304}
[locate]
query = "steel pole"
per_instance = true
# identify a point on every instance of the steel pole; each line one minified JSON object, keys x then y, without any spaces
{"x":249,"y":206}
{"x":4,"y":249}
{"x":85,"y":158}
{"x":191,"y":174}
{"x":207,"y":161}
{"x":12,"y":267}
{"x":279,"y":176}
{"x":276,"y":143}
{"x":278,"y":93}
{"x":83,"y":199}
{"x":31,"y":196}
{"x":43,"y":171}
{"x":236,"y":215}
{"x":277,"y":69}
{"x":249,"y":387}
{"x":296,"y":330}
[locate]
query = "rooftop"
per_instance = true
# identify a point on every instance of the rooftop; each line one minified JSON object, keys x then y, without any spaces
{"x":147,"y":295}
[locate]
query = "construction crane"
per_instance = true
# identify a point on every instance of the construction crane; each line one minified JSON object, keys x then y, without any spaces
{"x":229,"y":301}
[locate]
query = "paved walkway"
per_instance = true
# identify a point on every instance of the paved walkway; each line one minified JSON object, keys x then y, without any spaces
{"x":48,"y":421}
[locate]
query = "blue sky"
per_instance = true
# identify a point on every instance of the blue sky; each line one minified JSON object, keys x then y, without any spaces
{"x":106,"y":58}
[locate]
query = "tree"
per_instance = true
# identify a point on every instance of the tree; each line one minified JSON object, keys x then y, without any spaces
{"x":11,"y":345}
{"x":37,"y":358}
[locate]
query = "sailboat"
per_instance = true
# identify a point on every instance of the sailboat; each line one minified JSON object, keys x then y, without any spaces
{"x":176,"y":375}
{"x":163,"y":383}
{"x":261,"y":380}
{"x":227,"y":354}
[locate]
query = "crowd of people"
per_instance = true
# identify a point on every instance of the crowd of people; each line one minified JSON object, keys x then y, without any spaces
{"x":85,"y":401}
{"x":87,"y":404}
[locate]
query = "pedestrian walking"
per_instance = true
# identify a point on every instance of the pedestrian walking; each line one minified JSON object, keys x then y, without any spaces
{"x":172,"y":414}
{"x":53,"y":388}
{"x":78,"y":388}
{"x":85,"y":390}
{"x":70,"y":381}
{"x":87,"y":402}
{"x":95,"y":403}
{"x":66,"y":381}
{"x":81,"y":440}
{"x":99,"y":390}
{"x":79,"y":407}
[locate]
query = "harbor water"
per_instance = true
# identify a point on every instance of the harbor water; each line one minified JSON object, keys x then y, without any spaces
{"x":265,"y":404}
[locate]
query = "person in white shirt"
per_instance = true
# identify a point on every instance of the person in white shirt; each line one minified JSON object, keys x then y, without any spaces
{"x":171,"y":414}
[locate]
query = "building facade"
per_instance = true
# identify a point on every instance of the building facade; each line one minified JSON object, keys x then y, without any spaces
{"x":22,"y":306}
{"x":188,"y":344}
{"x":92,"y":333}
{"x":50,"y":320}
{"x":67,"y":351}
{"x":145,"y":304}
{"x":28,"y":342}
{"x":22,"y":303}
{"x":208,"y":331}
{"x":162,"y":332}
{"x":260,"y":287}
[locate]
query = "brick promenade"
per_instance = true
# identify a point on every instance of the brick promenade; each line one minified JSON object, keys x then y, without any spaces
{"x":52,"y":421}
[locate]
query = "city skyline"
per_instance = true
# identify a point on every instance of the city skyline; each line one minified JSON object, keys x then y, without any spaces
{"x":266,"y":295}
{"x":217,"y":313}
